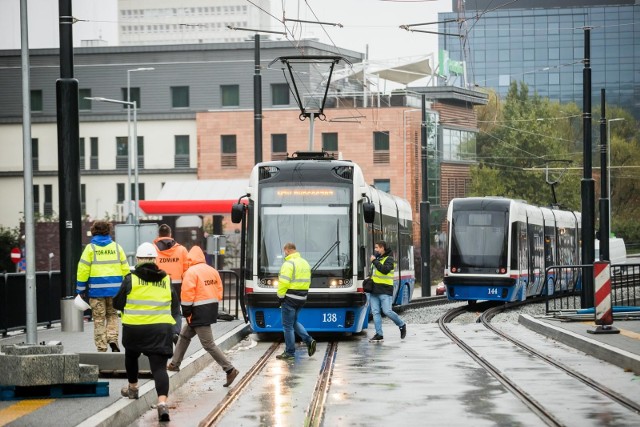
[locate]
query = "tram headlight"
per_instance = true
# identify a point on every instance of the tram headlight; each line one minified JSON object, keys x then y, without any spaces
{"x":339,"y":283}
{"x":269,"y":282}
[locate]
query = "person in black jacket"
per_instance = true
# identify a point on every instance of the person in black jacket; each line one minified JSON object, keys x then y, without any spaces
{"x":149,"y":305}
{"x":382,"y":269}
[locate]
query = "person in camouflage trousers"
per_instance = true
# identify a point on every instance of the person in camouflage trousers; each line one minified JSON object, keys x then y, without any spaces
{"x":101,"y":269}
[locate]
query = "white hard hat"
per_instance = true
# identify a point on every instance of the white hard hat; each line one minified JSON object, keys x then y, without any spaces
{"x":80,"y":303}
{"x":147,"y":250}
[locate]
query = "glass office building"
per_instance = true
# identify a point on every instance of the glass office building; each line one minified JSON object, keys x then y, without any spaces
{"x":541,"y":42}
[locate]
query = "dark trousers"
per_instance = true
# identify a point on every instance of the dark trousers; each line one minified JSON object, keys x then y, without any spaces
{"x":158,"y":364}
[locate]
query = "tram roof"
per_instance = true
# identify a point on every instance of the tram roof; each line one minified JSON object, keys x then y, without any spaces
{"x":198,"y":197}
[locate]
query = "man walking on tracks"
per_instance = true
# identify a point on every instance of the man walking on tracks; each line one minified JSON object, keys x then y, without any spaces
{"x":201,"y":291}
{"x":148,"y":306}
{"x":101,"y":268}
{"x":382,"y":267}
{"x":172,"y":258}
{"x":293,"y":286}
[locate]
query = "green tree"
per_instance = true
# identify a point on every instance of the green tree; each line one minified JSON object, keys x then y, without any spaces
{"x":517,"y":140}
{"x":9,"y":238}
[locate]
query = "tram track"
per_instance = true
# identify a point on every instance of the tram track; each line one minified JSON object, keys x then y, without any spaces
{"x":485,"y":319}
{"x":316,"y":408}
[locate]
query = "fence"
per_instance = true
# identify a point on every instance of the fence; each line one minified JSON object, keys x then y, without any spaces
{"x":564,"y":286}
{"x":13,"y":299}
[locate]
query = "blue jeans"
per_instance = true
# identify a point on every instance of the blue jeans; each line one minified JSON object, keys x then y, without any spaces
{"x":291,"y":326}
{"x":383,"y":302}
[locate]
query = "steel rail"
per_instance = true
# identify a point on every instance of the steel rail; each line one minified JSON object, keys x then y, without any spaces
{"x":315,"y":411}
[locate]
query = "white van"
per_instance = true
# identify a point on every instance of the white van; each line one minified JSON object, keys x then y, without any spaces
{"x":617,"y":251}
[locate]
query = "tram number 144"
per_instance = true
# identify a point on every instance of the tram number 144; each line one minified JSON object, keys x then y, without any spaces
{"x":329,"y":317}
{"x":492,"y":291}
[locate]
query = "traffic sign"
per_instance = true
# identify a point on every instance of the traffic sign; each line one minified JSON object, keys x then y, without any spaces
{"x":16,"y":255}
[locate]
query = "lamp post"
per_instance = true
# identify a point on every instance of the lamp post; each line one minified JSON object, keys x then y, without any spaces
{"x":129,"y":147}
{"x":135,"y":165}
{"x":617,"y":119}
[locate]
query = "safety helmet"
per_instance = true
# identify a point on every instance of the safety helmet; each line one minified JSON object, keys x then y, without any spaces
{"x":147,"y":250}
{"x":80,"y":303}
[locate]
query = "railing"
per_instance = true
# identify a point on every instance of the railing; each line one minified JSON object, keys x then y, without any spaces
{"x":13,"y":301}
{"x":564,"y":286}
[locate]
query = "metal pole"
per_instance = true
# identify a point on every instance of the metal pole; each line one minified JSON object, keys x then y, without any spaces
{"x":425,"y":227}
{"x":587,"y":183}
{"x":311,"y":120}
{"x":135,"y":165}
{"x":257,"y":104}
{"x":129,"y":151}
{"x":604,"y":192}
{"x":31,"y":304}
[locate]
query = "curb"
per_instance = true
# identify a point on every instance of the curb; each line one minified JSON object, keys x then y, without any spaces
{"x":126,"y":411}
{"x":621,"y":358}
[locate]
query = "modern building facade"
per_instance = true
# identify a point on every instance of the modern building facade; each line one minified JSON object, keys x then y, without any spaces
{"x":541,"y":42}
{"x":195,"y":122}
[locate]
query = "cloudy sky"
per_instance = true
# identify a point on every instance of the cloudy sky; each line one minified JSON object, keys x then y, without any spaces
{"x":372,"y":23}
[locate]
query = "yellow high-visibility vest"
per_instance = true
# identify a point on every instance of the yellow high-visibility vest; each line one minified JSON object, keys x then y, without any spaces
{"x":148,"y":302}
{"x":382,"y":279}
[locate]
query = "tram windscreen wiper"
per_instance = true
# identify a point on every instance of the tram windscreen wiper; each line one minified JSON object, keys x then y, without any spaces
{"x":335,"y":244}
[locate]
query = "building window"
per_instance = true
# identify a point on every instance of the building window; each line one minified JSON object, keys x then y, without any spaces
{"x":133,"y":191}
{"x":230,"y":95}
{"x":36,"y":199}
{"x":83,"y":199}
{"x":382,"y":185}
{"x":84,"y":104}
{"x":93,"y":159}
{"x":121,"y":195}
{"x":180,"y":96}
{"x":278,"y":146}
{"x":381,"y":147}
{"x":35,"y":164}
{"x":229,"y":155}
{"x":458,"y":145}
{"x":82,"y":157}
{"x":122,"y":152}
{"x":181,"y":159}
{"x":48,"y":200}
{"x":280,"y":94}
{"x":36,"y":100}
{"x":140,"y":152}
{"x":134,"y":96}
{"x":330,"y":142}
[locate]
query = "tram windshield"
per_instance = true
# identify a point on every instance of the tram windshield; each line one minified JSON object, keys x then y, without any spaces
{"x":316,"y":218}
{"x":479,"y":239}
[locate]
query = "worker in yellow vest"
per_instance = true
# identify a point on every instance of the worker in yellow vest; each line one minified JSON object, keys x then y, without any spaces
{"x":101,"y":268}
{"x":382,"y":269}
{"x":148,"y":305}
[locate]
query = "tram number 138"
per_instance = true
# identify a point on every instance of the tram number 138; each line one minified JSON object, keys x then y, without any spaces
{"x":329,"y":317}
{"x":492,"y":291}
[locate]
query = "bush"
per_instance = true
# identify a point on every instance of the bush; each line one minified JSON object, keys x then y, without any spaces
{"x":436,"y":264}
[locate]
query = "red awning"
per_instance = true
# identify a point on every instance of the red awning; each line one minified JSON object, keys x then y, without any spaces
{"x":197,"y":197}
{"x":187,"y":207}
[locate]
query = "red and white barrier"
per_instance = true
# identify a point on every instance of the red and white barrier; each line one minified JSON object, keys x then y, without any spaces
{"x":603,"y":309}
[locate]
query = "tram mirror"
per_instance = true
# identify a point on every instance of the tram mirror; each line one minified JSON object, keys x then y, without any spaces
{"x":369,"y":212}
{"x":237,"y":212}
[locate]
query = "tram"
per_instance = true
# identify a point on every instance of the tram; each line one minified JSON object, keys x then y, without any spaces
{"x":325,"y":207}
{"x":498,"y":249}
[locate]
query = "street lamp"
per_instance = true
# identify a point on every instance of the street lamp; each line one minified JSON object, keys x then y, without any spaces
{"x":129,"y":146}
{"x":135,"y":165}
{"x":618,"y":119}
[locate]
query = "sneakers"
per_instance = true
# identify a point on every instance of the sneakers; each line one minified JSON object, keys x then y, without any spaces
{"x":286,"y":356}
{"x":403,"y":331}
{"x":163,"y":412}
{"x":130,"y":392}
{"x":376,"y":338}
{"x":173,"y":368}
{"x":311,"y":347}
{"x":114,"y":347}
{"x":231,"y":375}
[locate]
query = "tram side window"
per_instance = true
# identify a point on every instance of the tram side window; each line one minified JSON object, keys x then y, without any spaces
{"x":549,"y":246}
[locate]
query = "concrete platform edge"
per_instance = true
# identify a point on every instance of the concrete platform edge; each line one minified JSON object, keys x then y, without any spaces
{"x":126,"y":411}
{"x":603,"y":351}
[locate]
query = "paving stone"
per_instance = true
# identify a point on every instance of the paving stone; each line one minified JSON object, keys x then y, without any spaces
{"x":31,"y":349}
{"x":88,"y":373}
{"x":32,"y":369}
{"x":71,"y":372}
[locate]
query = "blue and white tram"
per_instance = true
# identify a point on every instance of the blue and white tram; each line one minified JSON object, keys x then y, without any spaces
{"x":326,"y":208}
{"x":498,"y":248}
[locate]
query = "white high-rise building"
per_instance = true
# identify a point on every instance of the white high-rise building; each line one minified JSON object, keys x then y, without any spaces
{"x":152,"y":22}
